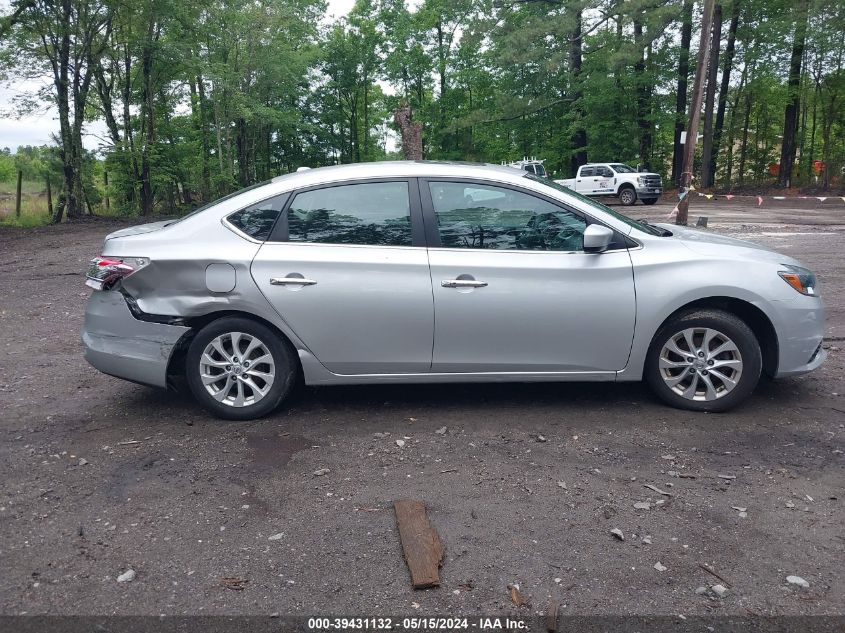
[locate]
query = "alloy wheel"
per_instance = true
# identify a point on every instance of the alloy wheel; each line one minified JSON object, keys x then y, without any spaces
{"x":700,"y":364}
{"x":237,"y":369}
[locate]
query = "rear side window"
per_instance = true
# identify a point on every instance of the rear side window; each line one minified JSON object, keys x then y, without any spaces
{"x":588,"y":171}
{"x":373,"y":214}
{"x":257,"y":221}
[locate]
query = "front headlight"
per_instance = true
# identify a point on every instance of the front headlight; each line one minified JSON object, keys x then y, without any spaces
{"x":803,"y":280}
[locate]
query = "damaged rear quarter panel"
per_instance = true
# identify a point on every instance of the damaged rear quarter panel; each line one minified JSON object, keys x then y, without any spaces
{"x":174,"y":282}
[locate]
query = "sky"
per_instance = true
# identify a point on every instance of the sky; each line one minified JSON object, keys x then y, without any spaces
{"x":37,"y":128}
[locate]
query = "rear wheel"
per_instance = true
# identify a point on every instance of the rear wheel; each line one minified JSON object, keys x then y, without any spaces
{"x":240,"y":369}
{"x":706,"y":360}
{"x":627,"y":196}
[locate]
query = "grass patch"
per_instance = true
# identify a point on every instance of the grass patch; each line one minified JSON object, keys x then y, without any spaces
{"x":33,"y":205}
{"x":26,"y":221}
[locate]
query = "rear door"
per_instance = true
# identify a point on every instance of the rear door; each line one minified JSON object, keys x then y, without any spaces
{"x":585,"y":180}
{"x":604,"y":180}
{"x":513,"y":289}
{"x":347,"y":270}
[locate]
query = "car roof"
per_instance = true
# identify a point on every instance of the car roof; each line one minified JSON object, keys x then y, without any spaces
{"x":338,"y":174}
{"x":398,"y":169}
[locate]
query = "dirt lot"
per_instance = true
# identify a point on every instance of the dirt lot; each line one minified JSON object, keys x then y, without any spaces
{"x":100,"y":476}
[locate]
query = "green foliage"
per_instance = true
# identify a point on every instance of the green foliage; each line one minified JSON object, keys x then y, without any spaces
{"x":201,"y":97}
{"x":7,"y":166}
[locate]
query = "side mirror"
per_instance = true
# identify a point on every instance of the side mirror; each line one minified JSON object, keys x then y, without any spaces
{"x":597,"y":238}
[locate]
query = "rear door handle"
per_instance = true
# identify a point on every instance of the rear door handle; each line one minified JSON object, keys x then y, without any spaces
{"x":462,"y":283}
{"x":291,"y":281}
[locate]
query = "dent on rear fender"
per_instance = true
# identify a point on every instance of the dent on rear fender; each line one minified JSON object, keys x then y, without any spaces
{"x":180,"y":289}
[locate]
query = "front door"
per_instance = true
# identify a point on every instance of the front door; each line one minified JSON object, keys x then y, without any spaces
{"x":513,"y":289}
{"x":349,"y":274}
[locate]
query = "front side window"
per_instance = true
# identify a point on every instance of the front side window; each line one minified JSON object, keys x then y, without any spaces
{"x":257,"y":220}
{"x":488,"y":217}
{"x":375,"y":214}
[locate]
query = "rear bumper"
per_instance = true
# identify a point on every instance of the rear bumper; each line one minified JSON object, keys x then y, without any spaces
{"x":118,"y":344}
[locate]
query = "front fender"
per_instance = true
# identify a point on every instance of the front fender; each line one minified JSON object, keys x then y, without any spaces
{"x":663,"y":288}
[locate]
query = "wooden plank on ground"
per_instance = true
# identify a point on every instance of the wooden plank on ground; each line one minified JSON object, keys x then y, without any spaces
{"x":551,"y":617}
{"x":420,"y":543}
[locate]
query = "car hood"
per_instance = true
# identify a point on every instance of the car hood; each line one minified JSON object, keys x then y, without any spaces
{"x":707,"y":243}
{"x":138,"y":230}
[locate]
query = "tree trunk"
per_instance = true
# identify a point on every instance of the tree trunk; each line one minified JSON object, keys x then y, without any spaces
{"x":60,"y":70}
{"x":366,"y":114}
{"x":411,"y":133}
{"x":723,"y":90}
{"x":790,"y":119}
{"x":643,"y":92}
{"x":441,"y":102}
{"x":202,"y":129}
{"x":217,"y":125}
{"x":681,"y":96}
{"x":578,"y":140}
{"x":707,"y":167}
{"x":695,"y":110}
{"x":241,"y":140}
{"x":743,"y":147}
{"x":732,"y":129}
{"x":49,"y":197}
{"x":148,"y":117}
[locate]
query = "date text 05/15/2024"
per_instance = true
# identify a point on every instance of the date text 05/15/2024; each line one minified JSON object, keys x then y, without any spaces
{"x":416,"y":624}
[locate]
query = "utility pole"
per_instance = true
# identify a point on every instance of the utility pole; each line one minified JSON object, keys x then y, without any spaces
{"x":695,"y":110}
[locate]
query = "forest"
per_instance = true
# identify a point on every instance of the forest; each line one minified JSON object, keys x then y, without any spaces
{"x":202,"y":97}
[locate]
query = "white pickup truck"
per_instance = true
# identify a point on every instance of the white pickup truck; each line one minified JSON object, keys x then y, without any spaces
{"x":616,"y":179}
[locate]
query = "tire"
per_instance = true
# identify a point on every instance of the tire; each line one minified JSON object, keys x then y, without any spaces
{"x":668,"y":372}
{"x":628,"y":196}
{"x":266,"y":376}
{"x":649,"y":200}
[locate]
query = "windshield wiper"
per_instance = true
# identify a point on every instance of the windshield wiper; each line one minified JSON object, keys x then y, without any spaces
{"x":654,"y":229}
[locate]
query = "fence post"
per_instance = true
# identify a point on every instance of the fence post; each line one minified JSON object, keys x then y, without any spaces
{"x":18,"y":199}
{"x":49,"y":197}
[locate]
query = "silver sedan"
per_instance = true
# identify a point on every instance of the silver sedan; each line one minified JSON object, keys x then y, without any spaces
{"x":440,"y":272}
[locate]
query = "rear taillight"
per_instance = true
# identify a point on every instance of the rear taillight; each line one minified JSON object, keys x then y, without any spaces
{"x":104,"y":272}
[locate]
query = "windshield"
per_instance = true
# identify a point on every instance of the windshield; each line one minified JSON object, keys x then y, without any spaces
{"x":645,"y":228}
{"x":619,"y":168}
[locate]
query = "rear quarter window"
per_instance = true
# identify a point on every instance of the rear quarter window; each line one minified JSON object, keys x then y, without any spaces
{"x":257,"y":221}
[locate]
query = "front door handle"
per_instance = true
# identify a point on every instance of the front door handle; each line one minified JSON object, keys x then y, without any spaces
{"x":462,"y":283}
{"x":291,"y":281}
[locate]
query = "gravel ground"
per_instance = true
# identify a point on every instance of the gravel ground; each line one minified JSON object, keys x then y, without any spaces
{"x":100,"y":476}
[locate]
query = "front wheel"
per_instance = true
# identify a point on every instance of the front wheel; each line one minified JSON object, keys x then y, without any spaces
{"x":706,"y":360}
{"x":628,"y":196}
{"x":649,"y":200}
{"x":240,"y":369}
